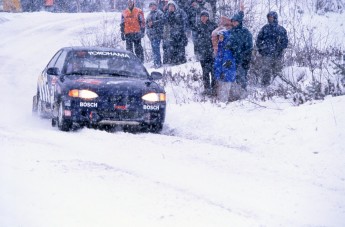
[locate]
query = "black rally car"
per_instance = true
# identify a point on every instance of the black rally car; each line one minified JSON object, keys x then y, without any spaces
{"x":99,"y":87}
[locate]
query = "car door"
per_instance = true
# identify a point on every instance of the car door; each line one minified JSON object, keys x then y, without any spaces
{"x":52,"y":79}
{"x":44,"y":80}
{"x":48,"y":81}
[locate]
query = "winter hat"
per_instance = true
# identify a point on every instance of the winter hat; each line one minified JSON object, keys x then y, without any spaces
{"x":152,"y":4}
{"x":237,"y":17}
{"x":173,"y":3}
{"x":204,"y":13}
{"x":274,"y":15}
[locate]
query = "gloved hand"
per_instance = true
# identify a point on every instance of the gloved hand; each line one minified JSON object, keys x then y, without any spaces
{"x":123,"y":36}
{"x":227,"y":64}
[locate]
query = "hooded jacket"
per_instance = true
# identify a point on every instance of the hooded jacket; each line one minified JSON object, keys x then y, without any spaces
{"x":225,"y":63}
{"x":272,"y":38}
{"x":175,"y":24}
{"x":240,"y":43}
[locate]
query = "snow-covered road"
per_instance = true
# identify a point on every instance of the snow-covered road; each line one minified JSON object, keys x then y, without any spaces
{"x":242,"y":164}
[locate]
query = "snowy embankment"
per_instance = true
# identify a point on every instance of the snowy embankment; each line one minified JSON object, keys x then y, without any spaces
{"x":242,"y":164}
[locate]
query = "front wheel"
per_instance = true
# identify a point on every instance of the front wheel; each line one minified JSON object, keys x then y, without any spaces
{"x":62,"y":122}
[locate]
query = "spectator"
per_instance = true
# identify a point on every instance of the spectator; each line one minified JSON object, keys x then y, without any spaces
{"x":154,"y":30}
{"x":194,"y":9}
{"x":174,"y":37}
{"x":204,"y":48}
{"x":224,"y":25}
{"x":240,"y":44}
{"x":12,"y":6}
{"x":49,"y":5}
{"x":133,"y":29}
{"x":162,"y":5}
{"x":213,"y":4}
{"x":271,"y":42}
{"x":225,"y":70}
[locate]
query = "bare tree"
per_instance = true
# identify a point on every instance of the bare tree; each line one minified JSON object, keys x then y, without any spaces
{"x":324,"y":6}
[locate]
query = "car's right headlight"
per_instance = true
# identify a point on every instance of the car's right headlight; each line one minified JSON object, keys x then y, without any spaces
{"x":154,"y":97}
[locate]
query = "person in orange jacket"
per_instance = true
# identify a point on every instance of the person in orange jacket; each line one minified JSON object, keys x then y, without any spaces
{"x":133,"y":29}
{"x":12,"y":6}
{"x":48,"y":5}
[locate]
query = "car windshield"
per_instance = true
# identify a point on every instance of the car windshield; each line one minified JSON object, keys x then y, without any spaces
{"x":110,"y":63}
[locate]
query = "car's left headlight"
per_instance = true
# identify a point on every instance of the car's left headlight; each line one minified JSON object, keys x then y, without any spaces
{"x":84,"y":94}
{"x":154,"y":97}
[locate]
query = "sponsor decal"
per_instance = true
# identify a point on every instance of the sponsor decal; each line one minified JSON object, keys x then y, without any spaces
{"x":151,"y":107}
{"x":117,"y":107}
{"x":88,"y":104}
{"x":114,"y":82}
{"x":109,"y":53}
{"x":68,"y":103}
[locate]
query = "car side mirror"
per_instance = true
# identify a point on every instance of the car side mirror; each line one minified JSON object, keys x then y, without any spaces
{"x":156,"y":76}
{"x":53,"y":71}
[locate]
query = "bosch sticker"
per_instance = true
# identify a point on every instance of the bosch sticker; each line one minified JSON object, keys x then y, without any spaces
{"x":88,"y":104}
{"x":151,"y":107}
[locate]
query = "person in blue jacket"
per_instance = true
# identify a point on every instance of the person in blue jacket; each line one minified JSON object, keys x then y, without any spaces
{"x":225,"y":70}
{"x":271,"y":42}
{"x":154,"y":30}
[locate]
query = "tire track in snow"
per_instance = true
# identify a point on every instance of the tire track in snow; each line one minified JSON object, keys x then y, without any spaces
{"x":112,"y":173}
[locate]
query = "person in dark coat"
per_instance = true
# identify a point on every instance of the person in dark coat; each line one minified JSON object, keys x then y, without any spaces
{"x":204,"y":48}
{"x":240,"y":44}
{"x":154,"y":30}
{"x":194,"y":9}
{"x":162,"y":5}
{"x":174,"y":37}
{"x":271,"y":42}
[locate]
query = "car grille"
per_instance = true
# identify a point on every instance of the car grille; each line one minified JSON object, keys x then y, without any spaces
{"x":124,"y":99}
{"x":119,"y":115}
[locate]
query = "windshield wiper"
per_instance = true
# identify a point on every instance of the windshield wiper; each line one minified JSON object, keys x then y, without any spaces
{"x":121,"y":73}
{"x":76,"y":73}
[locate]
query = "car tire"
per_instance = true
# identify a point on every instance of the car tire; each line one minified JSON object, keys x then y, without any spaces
{"x":40,"y":111}
{"x":34,"y":105}
{"x":37,"y":107}
{"x":63,"y":124}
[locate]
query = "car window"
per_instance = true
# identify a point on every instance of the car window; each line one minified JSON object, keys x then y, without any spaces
{"x":104,"y":63}
{"x":61,"y":60}
{"x":53,"y":60}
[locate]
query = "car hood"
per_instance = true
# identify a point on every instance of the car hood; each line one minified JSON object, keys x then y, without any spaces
{"x":112,"y":84}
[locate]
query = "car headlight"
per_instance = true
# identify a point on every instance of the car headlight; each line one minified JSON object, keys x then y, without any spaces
{"x":154,"y":97}
{"x":84,"y":94}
